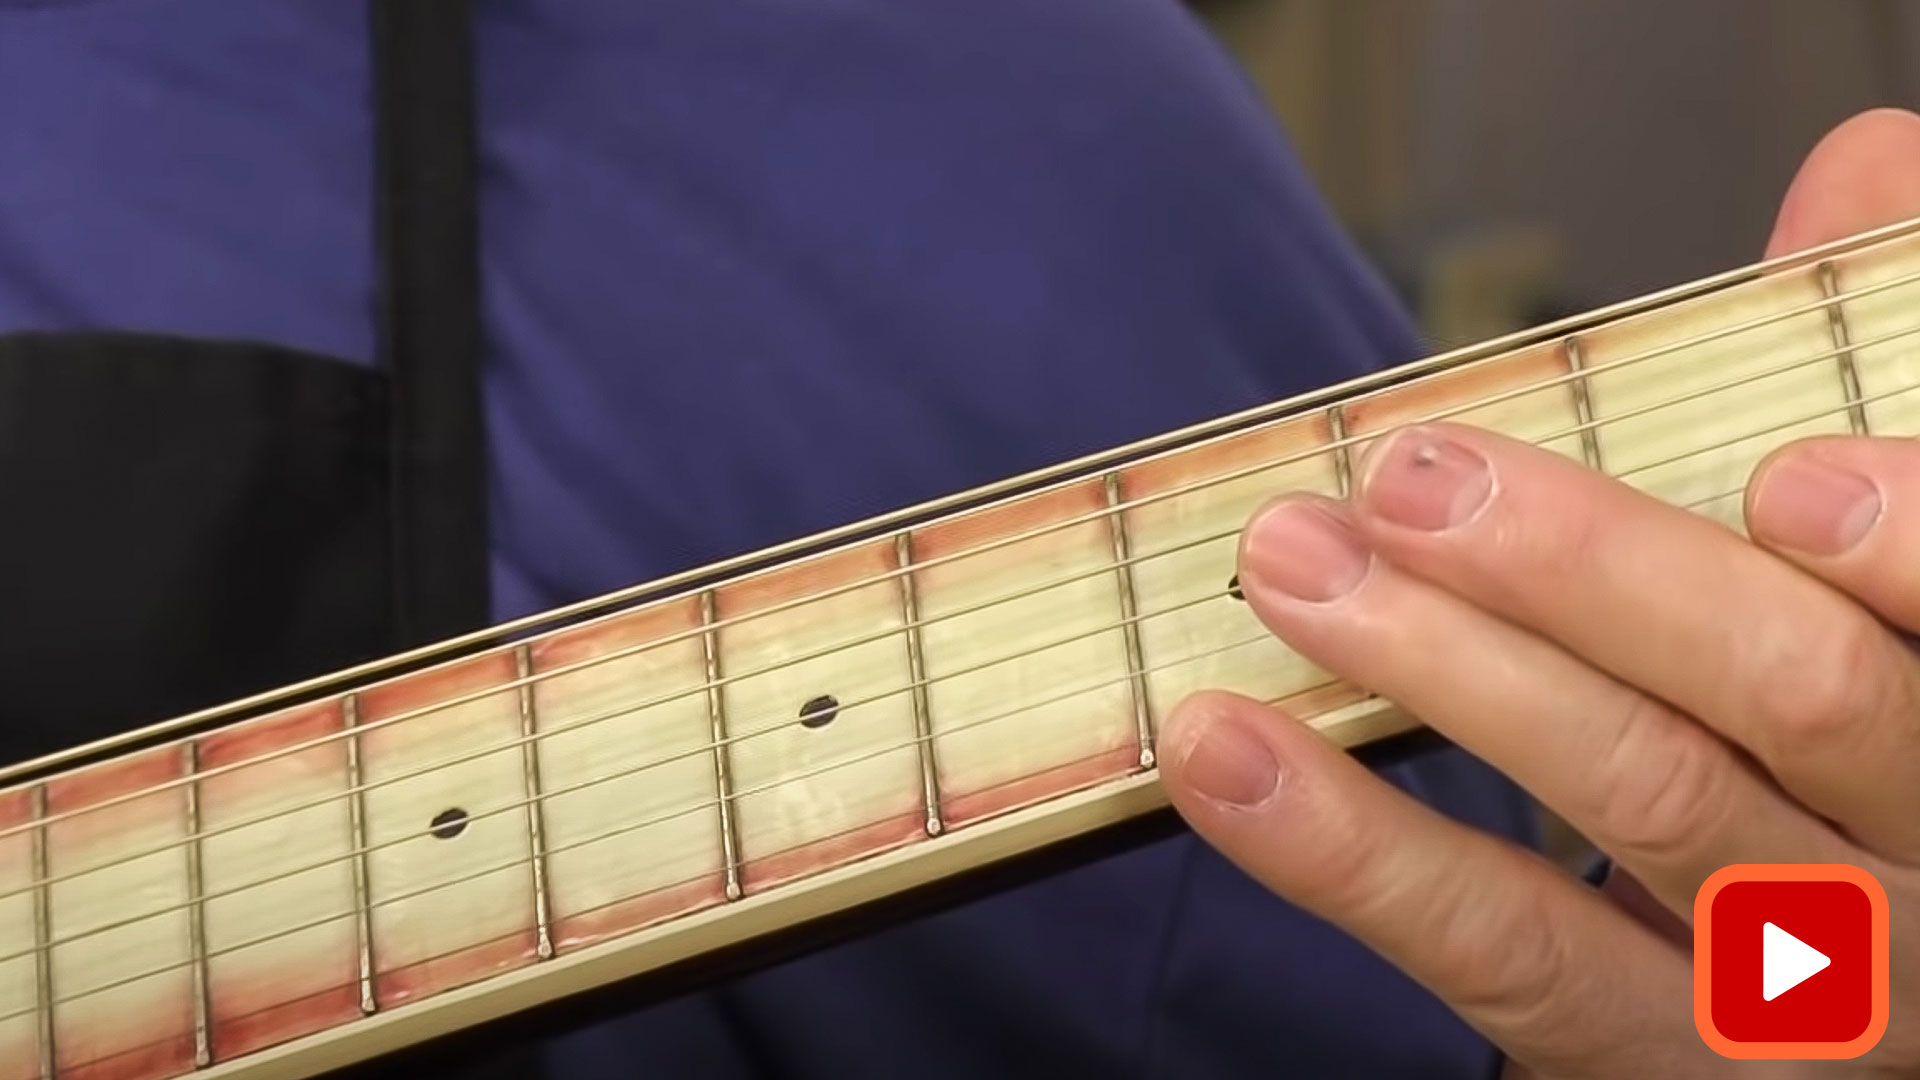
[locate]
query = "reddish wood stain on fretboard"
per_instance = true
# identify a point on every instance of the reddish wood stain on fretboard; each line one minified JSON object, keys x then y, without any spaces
{"x":398,"y":715}
{"x":1321,"y":700}
{"x":811,"y":577}
{"x":638,"y":912}
{"x":670,"y":623}
{"x":822,"y":855}
{"x":1284,"y":441}
{"x":946,"y":539}
{"x":255,"y":1009}
{"x":151,"y":770}
{"x":417,"y":693}
{"x":169,"y":1057}
{"x":664,"y":633}
{"x":315,"y":724}
{"x":967,"y":807}
{"x":1453,"y":392}
{"x":401,"y":984}
{"x":88,"y":1047}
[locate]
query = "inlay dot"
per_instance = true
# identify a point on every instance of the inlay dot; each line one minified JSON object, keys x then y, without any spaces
{"x":1233,"y":588}
{"x":819,"y":712}
{"x":449,"y":823}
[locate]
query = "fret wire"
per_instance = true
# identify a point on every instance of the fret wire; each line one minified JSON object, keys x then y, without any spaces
{"x":1130,"y":626}
{"x":357,"y":826}
{"x":917,"y":673}
{"x":1195,"y":542}
{"x":626,"y":710}
{"x":1837,"y":328}
{"x":717,"y":723}
{"x":1477,"y":403}
{"x":42,"y":934}
{"x":705,"y":805}
{"x":536,"y":826}
{"x":197,"y":912}
{"x":753,"y":564}
{"x":1583,"y":403}
{"x":1025,"y":707}
{"x":1342,"y":450}
{"x":634,"y":770}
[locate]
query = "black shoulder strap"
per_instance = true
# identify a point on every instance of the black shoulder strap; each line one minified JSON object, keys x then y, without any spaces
{"x":430,"y":335}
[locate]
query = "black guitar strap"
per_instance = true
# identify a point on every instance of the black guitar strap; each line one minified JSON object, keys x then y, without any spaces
{"x":430,"y":333}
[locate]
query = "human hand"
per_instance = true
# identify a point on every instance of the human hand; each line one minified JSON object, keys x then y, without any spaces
{"x":1686,"y":699}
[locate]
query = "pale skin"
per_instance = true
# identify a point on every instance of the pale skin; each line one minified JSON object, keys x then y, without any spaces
{"x":1687,"y":698}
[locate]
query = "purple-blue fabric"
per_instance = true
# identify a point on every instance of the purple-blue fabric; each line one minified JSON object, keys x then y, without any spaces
{"x":754,"y":268}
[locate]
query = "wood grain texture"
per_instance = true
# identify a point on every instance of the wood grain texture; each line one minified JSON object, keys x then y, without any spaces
{"x":276,"y":871}
{"x":1194,"y":634}
{"x":1050,"y":634}
{"x":813,"y":796}
{"x":19,"y":980}
{"x":1677,"y":426}
{"x":632,"y":833}
{"x":446,"y":910}
{"x":1029,"y":703}
{"x":122,"y":978}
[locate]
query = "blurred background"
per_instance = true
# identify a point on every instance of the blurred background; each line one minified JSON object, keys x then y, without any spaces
{"x":1510,"y":161}
{"x":1505,"y":160}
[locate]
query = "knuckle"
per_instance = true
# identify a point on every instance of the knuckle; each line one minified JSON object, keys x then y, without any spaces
{"x":1823,"y":693}
{"x":1527,"y":550}
{"x":1661,"y":783}
{"x":1526,"y":984}
{"x":1347,"y":866}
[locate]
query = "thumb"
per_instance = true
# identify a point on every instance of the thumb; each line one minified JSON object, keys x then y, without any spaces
{"x":1862,"y":175}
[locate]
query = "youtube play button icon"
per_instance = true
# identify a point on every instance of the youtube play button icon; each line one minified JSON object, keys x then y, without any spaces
{"x":1786,"y":961}
{"x":1790,"y":961}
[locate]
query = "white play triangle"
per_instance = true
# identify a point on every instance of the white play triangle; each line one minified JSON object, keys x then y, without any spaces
{"x":1786,"y":961}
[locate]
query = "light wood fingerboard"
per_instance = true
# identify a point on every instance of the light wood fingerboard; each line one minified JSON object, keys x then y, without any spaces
{"x":335,"y":878}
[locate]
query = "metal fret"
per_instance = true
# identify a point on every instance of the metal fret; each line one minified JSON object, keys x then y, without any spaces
{"x":357,"y":823}
{"x":1342,"y":454}
{"x":43,"y":934}
{"x":717,"y":722}
{"x":1130,"y":622}
{"x":1583,"y":404}
{"x":197,"y":912}
{"x":917,"y":675}
{"x":536,"y":825}
{"x":1843,"y":344}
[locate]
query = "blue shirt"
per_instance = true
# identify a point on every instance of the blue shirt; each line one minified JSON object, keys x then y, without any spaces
{"x":756,"y":268}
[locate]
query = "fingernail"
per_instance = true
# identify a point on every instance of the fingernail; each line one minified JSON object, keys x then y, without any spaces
{"x":1305,"y":550}
{"x":1813,"y":507}
{"x":1424,"y":480}
{"x":1229,"y":764}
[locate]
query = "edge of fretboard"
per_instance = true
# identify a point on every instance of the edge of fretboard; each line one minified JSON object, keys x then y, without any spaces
{"x":1012,"y":835}
{"x":680,"y":586}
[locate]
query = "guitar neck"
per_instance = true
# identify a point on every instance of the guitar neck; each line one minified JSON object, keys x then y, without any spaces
{"x":350,"y":866}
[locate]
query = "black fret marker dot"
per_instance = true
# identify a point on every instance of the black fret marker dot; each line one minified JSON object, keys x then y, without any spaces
{"x":1233,"y":588}
{"x":819,"y":712}
{"x":449,"y":823}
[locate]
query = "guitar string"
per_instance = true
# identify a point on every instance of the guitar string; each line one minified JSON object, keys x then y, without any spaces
{"x":1328,"y":448}
{"x":1131,"y":674}
{"x":353,"y":982}
{"x":136,"y":1049}
{"x":917,"y":740}
{"x":702,"y":806}
{"x":607,"y":778}
{"x":1102,"y":569}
